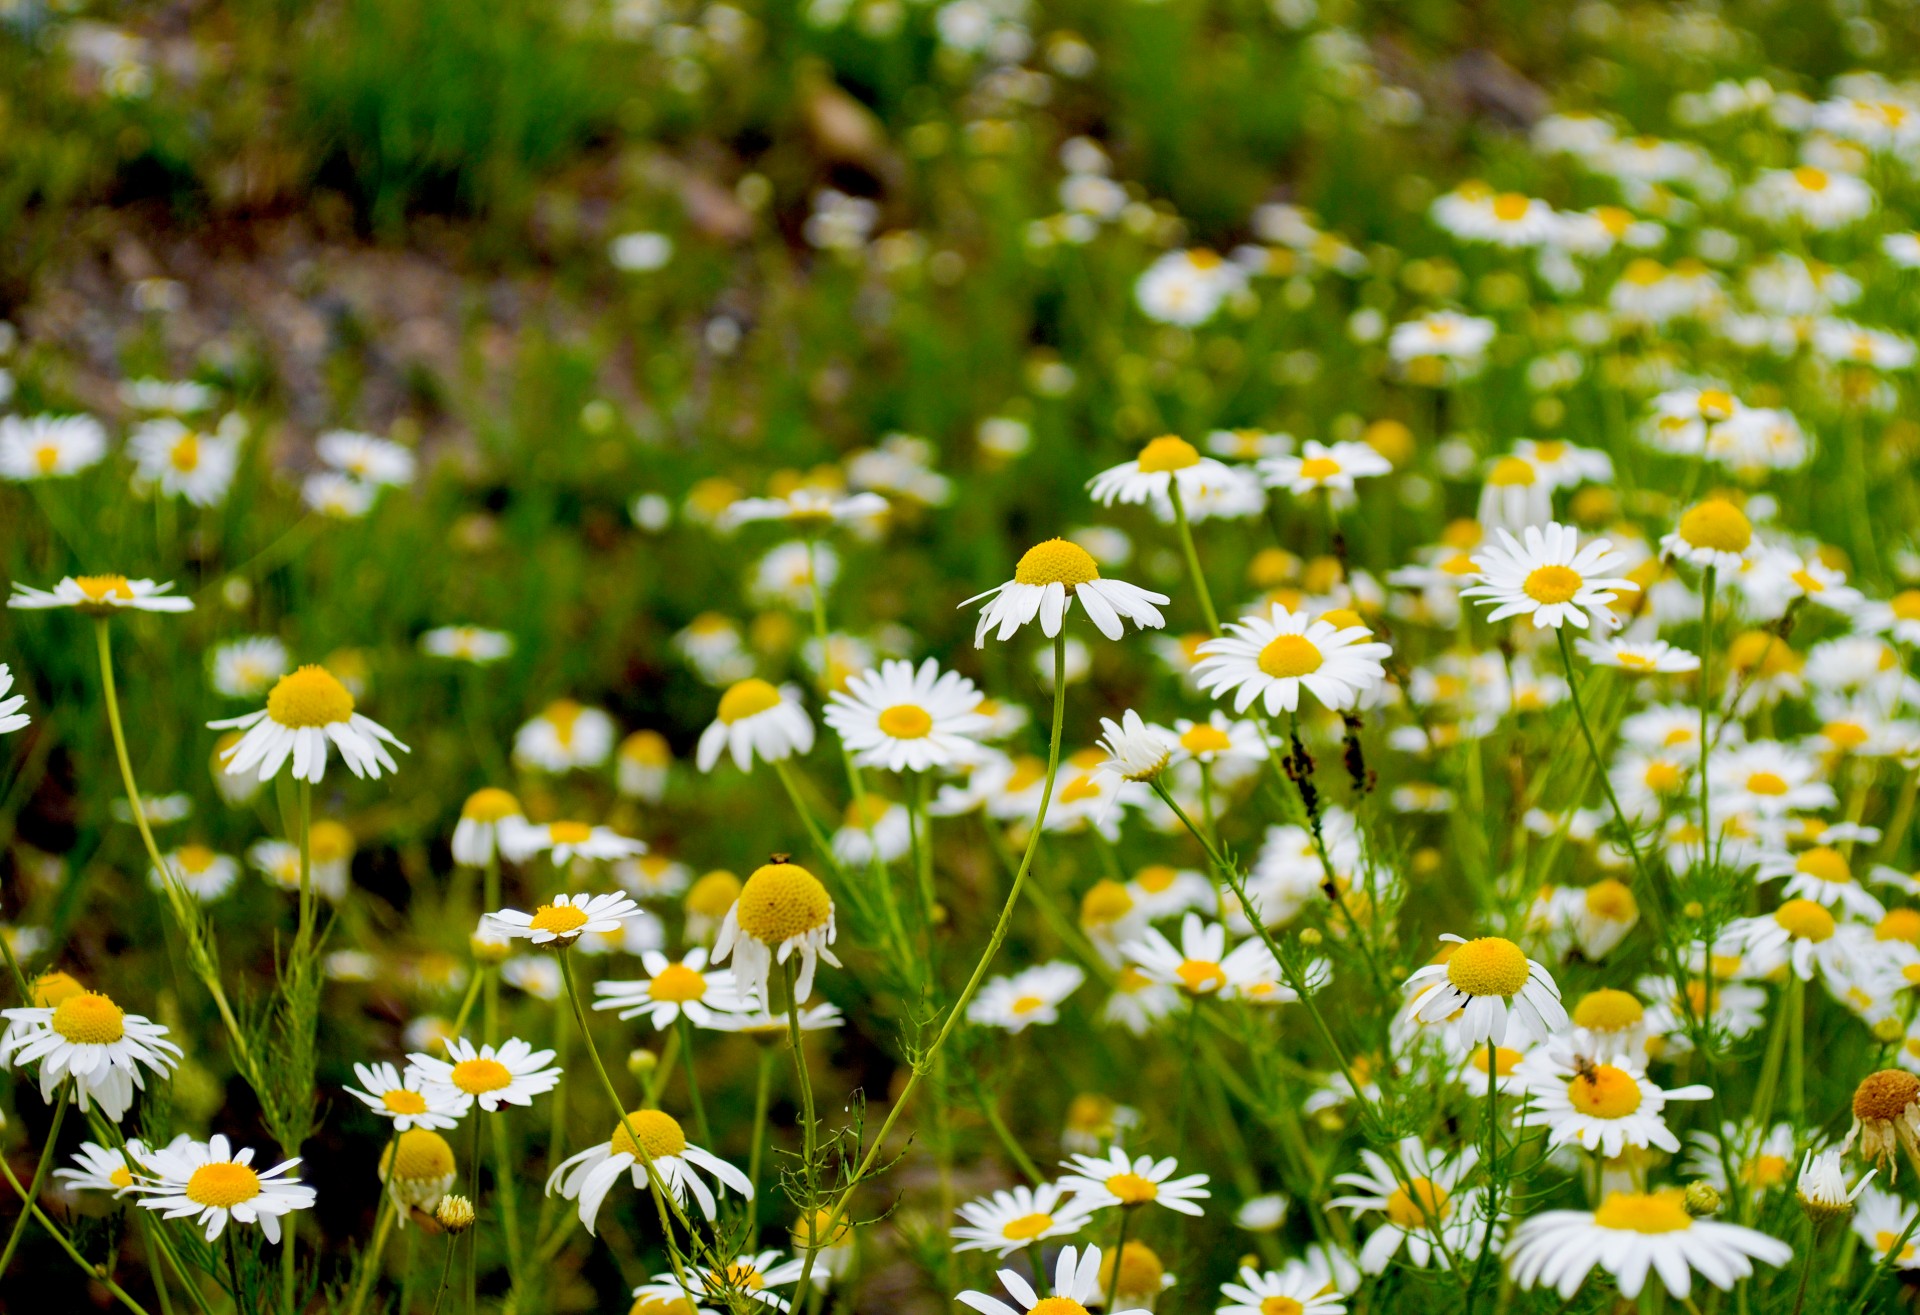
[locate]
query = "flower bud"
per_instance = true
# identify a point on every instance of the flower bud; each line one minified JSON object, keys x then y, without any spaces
{"x":641,"y":1062}
{"x":454,"y":1213}
{"x":1703,"y":1199}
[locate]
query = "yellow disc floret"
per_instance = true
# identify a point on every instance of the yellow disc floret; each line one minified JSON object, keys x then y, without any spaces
{"x":905,"y":721}
{"x":1804,"y":919}
{"x":1489,"y":965}
{"x":1133,"y":1189}
{"x":677,"y":984}
{"x":423,"y":1156}
{"x":1650,"y":1212}
{"x":51,"y":990}
{"x":1604,"y":1092}
{"x":1290,"y":656}
{"x":1026,"y":1227}
{"x":1824,"y":864}
{"x":559,"y":919}
{"x":222,"y":1184}
{"x":89,"y":1019}
{"x":1418,"y":1204}
{"x":1167,"y":453}
{"x":1610,"y":899}
{"x":402,"y":1101}
{"x":1548,"y":585}
{"x":781,"y":901}
{"x":1608,"y":1010}
{"x":713,"y":894}
{"x":1512,"y":472}
{"x":100,"y":588}
{"x":747,"y":698}
{"x":310,"y":696}
{"x":1056,"y":562}
{"x":1141,"y":1272}
{"x":1717,"y":525}
{"x":477,"y":1077}
{"x":1885,"y":1096}
{"x":1058,"y":1306}
{"x":658,"y":1136}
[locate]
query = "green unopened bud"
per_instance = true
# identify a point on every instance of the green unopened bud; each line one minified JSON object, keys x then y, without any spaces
{"x":1703,"y":1199}
{"x":1310,"y":937}
{"x":454,"y":1213}
{"x":1888,"y":1030}
{"x":641,"y":1063}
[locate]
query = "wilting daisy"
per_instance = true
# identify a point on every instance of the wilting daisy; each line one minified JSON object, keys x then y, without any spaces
{"x":401,"y":1098}
{"x":45,"y":446}
{"x":511,"y":1073}
{"x":564,"y":736}
{"x":417,"y":1167}
{"x":1421,"y":1212}
{"x":1822,"y":1186}
{"x":1333,"y":467}
{"x":1166,"y":462}
{"x":212,"y":1183}
{"x":783,"y":910}
{"x":1048,"y":579}
{"x":11,"y":718}
{"x":101,"y":595}
{"x":1027,"y":998}
{"x":1295,"y":1290}
{"x":486,"y":819}
{"x":645,"y":1138}
{"x":1076,"y":1283}
{"x":89,"y":1038}
{"x":672,"y":988}
{"x":1604,"y":1105}
{"x":183,"y":461}
{"x":1492,"y":985}
{"x":1272,"y":658}
{"x":467,"y":644}
{"x":368,"y":459}
{"x":905,"y":719}
{"x":307,"y":710}
{"x":566,"y":919}
{"x":755,"y":719}
{"x":1016,"y":1217}
{"x":1631,"y":1234}
{"x":1548,"y":576}
{"x":1118,"y":1179}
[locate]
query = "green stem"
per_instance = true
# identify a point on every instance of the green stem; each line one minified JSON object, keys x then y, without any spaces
{"x":762,"y":1097}
{"x":1193,"y":557}
{"x":94,"y":1272}
{"x":61,"y":1099}
{"x":693,"y":1082}
{"x":1706,"y":697}
{"x":383,"y":1223}
{"x":1119,"y":1244}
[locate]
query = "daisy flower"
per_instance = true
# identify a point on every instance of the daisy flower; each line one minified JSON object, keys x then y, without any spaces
{"x":417,"y":1168}
{"x":488,"y":817}
{"x":307,"y":710}
{"x":1493,"y":986}
{"x":105,"y":1169}
{"x":744,"y":1282}
{"x":1713,"y":533}
{"x":1030,"y":997}
{"x":247,"y":668}
{"x":101,"y":595}
{"x":1187,"y":288}
{"x":1076,"y":1282}
{"x":401,"y":1099}
{"x":1017,"y":1217}
{"x":340,"y":497}
{"x":1881,"y":1219}
{"x":1603,"y":1105}
{"x":1296,"y":1290}
{"x":1322,"y":466}
{"x":1135,"y":751}
{"x":1442,"y":336}
{"x":641,"y":764}
{"x":467,"y":644}
{"x":1769,"y":779}
{"x":1822,"y":874}
{"x":184,"y":461}
{"x":11,"y":718}
{"x":1762,"y":1162}
{"x":1817,"y":198}
{"x":1201,"y":965}
{"x":201,"y":872}
{"x":1800,"y":935}
{"x":806,"y":507}
{"x":566,"y":919}
{"x":903,"y":719}
{"x":1655,"y":657}
{"x":1630,"y":1234}
{"x":673,"y":988}
{"x":512,"y":1073}
{"x":89,"y":1038}
{"x":783,"y":910}
{"x":1822,"y":1186}
{"x":1272,"y":658}
{"x":45,"y":446}
{"x":645,"y":1138}
{"x":755,"y":719}
{"x":1168,"y":462}
{"x":1115,"y":1179}
{"x":564,"y":736}
{"x":210,"y":1182}
{"x":1548,"y":576}
{"x":1047,"y":580}
{"x":1230,"y":747}
{"x":373,"y":461}
{"x":1422,"y":1211}
{"x":563,"y":842}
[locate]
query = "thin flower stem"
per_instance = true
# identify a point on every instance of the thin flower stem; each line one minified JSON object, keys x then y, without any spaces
{"x":994,"y":942}
{"x":693,"y":1082}
{"x":808,"y":1123}
{"x":61,"y":1098}
{"x":446,"y":1272}
{"x":762,"y":1097}
{"x":370,"y":1262}
{"x":1193,"y":558}
{"x":1706,"y":696}
{"x":473,"y":1233}
{"x":1119,"y":1250}
{"x":93,"y":1271}
{"x":459,"y":1027}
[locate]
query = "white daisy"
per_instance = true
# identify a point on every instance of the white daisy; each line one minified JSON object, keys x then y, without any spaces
{"x":565,"y":735}
{"x":645,"y":1138}
{"x":340,"y":497}
{"x":1017,"y":1217}
{"x":807,"y":506}
{"x":783,"y":910}
{"x":1271,"y":658}
{"x":511,"y":1073}
{"x":1201,"y":965}
{"x":1822,"y":874}
{"x":184,"y":461}
{"x":1712,"y":533}
{"x":1422,"y":1212}
{"x":1547,"y":575}
{"x":1493,"y":986}
{"x":1166,"y":462}
{"x":89,"y":1038}
{"x":1767,"y":778}
{"x":1050,"y":576}
{"x":401,"y":1098}
{"x":467,"y":644}
{"x":1631,"y":1234}
{"x":307,"y":710}
{"x":686,"y":986}
{"x":641,"y":765}
{"x":1117,"y":1179}
{"x":1076,"y":1283}
{"x":1648,"y":658}
{"x":744,"y":1282}
{"x":565,"y":841}
{"x":755,"y":720}
{"x":1295,"y":1290}
{"x":1599,"y":1104}
{"x":247,"y":668}
{"x":1029,"y":997}
{"x":1333,"y":467}
{"x":368,"y":459}
{"x":101,"y":595}
{"x":11,"y":718}
{"x":904,"y":719}
{"x":566,"y":919}
{"x":200,"y":871}
{"x":1800,"y":935}
{"x":1881,"y":1219}
{"x":487,"y":819}
{"x":105,"y":1169}
{"x":212,"y":1183}
{"x":46,"y":446}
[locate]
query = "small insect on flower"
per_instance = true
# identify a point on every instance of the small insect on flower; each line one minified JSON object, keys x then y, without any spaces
{"x":209,"y":1181}
{"x":1098,"y":1182}
{"x":1599,"y":1104}
{"x":686,"y":986}
{"x":1492,"y":985}
{"x":1272,"y":658}
{"x":512,"y":1073}
{"x":101,"y":595}
{"x":1632,"y":1234}
{"x":755,"y":719}
{"x":306,"y":710}
{"x":1076,"y":1283}
{"x":904,"y":719}
{"x":1047,"y":581}
{"x":11,"y":718}
{"x":567,"y":919}
{"x":783,"y":910}
{"x":89,"y":1038}
{"x":1549,"y":576}
{"x":644,"y":1139}
{"x":401,"y":1098}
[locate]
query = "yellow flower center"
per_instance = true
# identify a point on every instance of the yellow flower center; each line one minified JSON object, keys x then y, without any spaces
{"x":1080,"y":787}
{"x":47,"y":458}
{"x":1814,"y":180}
{"x":1056,"y":562}
{"x":1717,"y":525}
{"x":423,"y":1156}
{"x":1133,"y":1189}
{"x":659,"y":1136}
{"x":1611,"y":900}
{"x":51,"y":990}
{"x":1141,"y":1272}
{"x":1605,"y":1092}
{"x":1824,"y":864}
{"x":1167,"y":453}
{"x":1650,"y":1212}
{"x":1899,"y":925}
{"x":89,"y":1019}
{"x":1804,"y":920}
{"x":781,"y":901}
{"x":1766,"y":1171}
{"x":808,"y":1227}
{"x":1417,"y":1204}
{"x":569,"y":833}
{"x":676,"y":984}
{"x":1489,"y":965}
{"x":1288,"y":657}
{"x":99,"y":588}
{"x":713,"y":894}
{"x":1512,"y":472}
{"x":1767,"y":783}
{"x":1504,"y":1060}
{"x":477,"y":1077}
{"x":748,"y":698}
{"x":402,"y":1101}
{"x":1552,"y":584}
{"x":1608,"y":1010}
{"x":1057,"y":1306}
{"x":906,"y":721}
{"x":1205,"y":738}
{"x":185,"y":454}
{"x":1885,"y":1096}
{"x":490,"y":805}
{"x":1883,"y":1242}
{"x":1906,"y":604}
{"x":1025,"y":1005}
{"x":1026,"y":1227}
{"x":1105,"y":902}
{"x":560,"y":919}
{"x":310,"y":696}
{"x":121,"y":1177}
{"x":222,"y":1184}
{"x":1510,"y":206}
{"x":1156,"y":878}
{"x":193,"y":860}
{"x":563,"y":715}
{"x":1278,"y":1305}
{"x":1319,"y":468}
{"x":1200,"y":977}
{"x":1846,"y":734}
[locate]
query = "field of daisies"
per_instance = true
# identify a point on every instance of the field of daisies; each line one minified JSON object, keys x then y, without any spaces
{"x":1215,"y":657}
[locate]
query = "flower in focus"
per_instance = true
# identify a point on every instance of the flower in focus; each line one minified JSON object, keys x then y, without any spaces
{"x":1046,"y":582}
{"x":417,"y":1166}
{"x":566,"y":919}
{"x":89,"y":1038}
{"x":1076,"y":1282}
{"x":399,"y":1098}
{"x":645,"y":1139}
{"x":783,"y":910}
{"x":1117,"y":1179}
{"x":512,"y":1073}
{"x":1016,"y":1217}
{"x":1493,"y":986}
{"x":904,"y":719}
{"x":308,"y":709}
{"x":686,"y":986}
{"x":1549,"y":577}
{"x":101,"y":595}
{"x":209,"y":1181}
{"x":1272,"y":658}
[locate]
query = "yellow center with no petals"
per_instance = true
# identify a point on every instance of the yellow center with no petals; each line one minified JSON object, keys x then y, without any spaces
{"x":781,"y":901}
{"x":1717,"y":525}
{"x":402,"y":1101}
{"x":659,"y":1136}
{"x":222,"y":1185}
{"x":1804,"y":920}
{"x":906,"y":721}
{"x":1026,"y":1227}
{"x":90,"y":1019}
